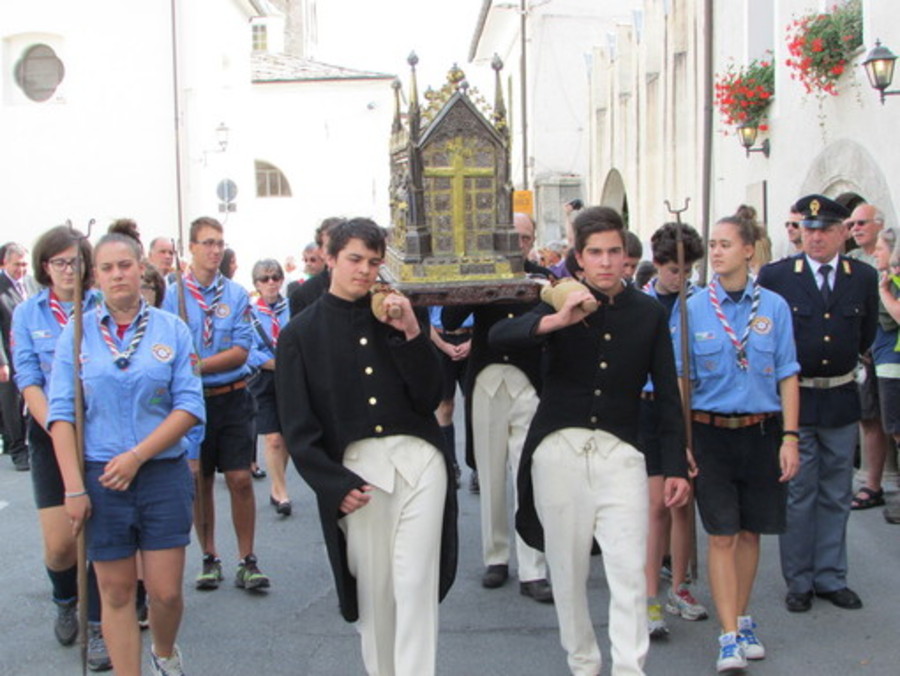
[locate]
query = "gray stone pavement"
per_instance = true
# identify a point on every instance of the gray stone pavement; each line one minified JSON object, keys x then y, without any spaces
{"x":295,"y":628}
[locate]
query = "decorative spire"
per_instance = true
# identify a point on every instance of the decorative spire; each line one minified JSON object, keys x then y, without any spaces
{"x":499,"y":115}
{"x":412,"y":60}
{"x":397,"y":126}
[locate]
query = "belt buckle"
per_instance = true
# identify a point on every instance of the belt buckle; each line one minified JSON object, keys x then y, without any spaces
{"x":733,"y":423}
{"x":821,"y":383}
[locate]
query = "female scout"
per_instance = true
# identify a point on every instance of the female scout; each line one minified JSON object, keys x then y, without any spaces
{"x":37,"y":324}
{"x":142,"y":394}
{"x":744,"y":374}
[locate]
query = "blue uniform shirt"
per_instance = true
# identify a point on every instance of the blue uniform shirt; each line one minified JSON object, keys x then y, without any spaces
{"x":35,"y":333}
{"x":434,"y":318}
{"x":123,"y":406}
{"x":231,"y":325}
{"x":719,"y":384}
{"x":674,"y":314}
{"x":261,"y":351}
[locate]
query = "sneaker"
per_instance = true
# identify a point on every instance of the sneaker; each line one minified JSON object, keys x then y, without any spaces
{"x":656,"y":623}
{"x":746,"y":637}
{"x":97,"y":657}
{"x":66,"y":625}
{"x":249,"y":576}
{"x":143,"y":615}
{"x":211,"y":575}
{"x":730,"y":654}
{"x":682,"y":603}
{"x":166,"y":666}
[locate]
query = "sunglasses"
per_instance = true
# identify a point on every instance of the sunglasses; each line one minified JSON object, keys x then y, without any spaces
{"x":792,"y":224}
{"x":265,"y":279}
{"x":861,"y":222}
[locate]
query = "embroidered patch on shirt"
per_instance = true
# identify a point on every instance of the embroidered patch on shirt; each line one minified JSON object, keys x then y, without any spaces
{"x":163,"y":353}
{"x":704,"y":335}
{"x":158,"y":396}
{"x":223,"y":310}
{"x":762,"y":325}
{"x":195,"y":363}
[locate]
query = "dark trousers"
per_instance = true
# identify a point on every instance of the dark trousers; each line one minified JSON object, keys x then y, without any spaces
{"x":13,"y":422}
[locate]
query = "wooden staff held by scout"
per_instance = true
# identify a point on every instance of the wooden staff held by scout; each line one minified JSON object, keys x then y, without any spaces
{"x":685,"y":379}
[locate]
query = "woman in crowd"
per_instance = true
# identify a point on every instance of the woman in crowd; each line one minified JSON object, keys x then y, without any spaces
{"x":270,"y":314}
{"x":886,"y":348}
{"x":745,"y":426}
{"x":37,"y":324}
{"x":142,"y":393}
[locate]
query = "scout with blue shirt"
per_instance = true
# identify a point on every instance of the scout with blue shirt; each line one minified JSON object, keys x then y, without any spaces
{"x":37,"y":325}
{"x":744,"y":384}
{"x":142,"y":393}
{"x":270,"y":315}
{"x":834,"y":304}
{"x":663,"y":521}
{"x":218,"y":316}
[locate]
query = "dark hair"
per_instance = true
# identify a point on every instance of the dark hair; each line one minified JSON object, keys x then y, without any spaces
{"x":154,"y":279}
{"x":592,"y":220}
{"x":366,"y":230}
{"x":633,"y":246}
{"x":227,"y":260}
{"x":265,"y":265}
{"x":57,"y":240}
{"x":127,"y":227}
{"x":117,"y":237}
{"x":325,"y":228}
{"x":664,"y":244}
{"x":644,"y":273}
{"x":204,"y":222}
{"x":749,"y":232}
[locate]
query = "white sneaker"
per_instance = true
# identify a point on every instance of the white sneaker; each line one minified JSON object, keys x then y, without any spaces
{"x":747,"y":639}
{"x":166,"y":666}
{"x":682,"y":603}
{"x":656,"y":623}
{"x":731,"y":656}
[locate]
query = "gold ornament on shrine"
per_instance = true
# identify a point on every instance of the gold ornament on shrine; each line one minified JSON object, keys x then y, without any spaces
{"x":451,"y":194}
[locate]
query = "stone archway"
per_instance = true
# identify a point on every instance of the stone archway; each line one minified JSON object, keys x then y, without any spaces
{"x":846,"y":168}
{"x":614,"y":194}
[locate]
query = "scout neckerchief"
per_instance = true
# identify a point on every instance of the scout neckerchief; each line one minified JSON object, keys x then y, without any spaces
{"x":273,"y":313}
{"x":59,"y":313}
{"x":740,"y":346}
{"x":122,"y":359}
{"x":208,"y":310}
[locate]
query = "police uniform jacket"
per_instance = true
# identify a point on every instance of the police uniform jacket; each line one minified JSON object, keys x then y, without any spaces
{"x":344,"y":376}
{"x":595,"y":372}
{"x":304,"y":295}
{"x":830,"y":338}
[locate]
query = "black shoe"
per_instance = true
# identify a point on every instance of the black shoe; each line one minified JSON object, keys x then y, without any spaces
{"x":495,"y":576}
{"x":282,"y":507}
{"x":474,"y":488}
{"x":539,"y":590}
{"x":798,"y":602}
{"x":20,"y":462}
{"x":258,"y":473}
{"x":844,"y":598}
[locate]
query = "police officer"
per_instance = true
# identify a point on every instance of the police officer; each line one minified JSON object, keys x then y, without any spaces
{"x":744,"y":374}
{"x":834,"y":304}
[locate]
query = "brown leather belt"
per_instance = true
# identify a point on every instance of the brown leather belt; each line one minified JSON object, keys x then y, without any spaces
{"x":730,"y":422}
{"x":225,"y":389}
{"x":458,"y":332}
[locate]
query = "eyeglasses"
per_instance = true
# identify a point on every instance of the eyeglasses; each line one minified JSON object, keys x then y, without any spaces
{"x":60,"y":264}
{"x":265,"y":279}
{"x":792,"y":224}
{"x":212,"y":243}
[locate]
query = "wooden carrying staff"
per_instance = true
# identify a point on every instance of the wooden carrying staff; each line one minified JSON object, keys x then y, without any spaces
{"x":685,"y":363}
{"x":81,"y":542}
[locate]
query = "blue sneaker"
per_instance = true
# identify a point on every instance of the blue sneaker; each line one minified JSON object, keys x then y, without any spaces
{"x":747,"y":639}
{"x":730,"y":654}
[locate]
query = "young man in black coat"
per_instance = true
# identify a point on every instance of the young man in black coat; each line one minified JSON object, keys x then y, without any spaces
{"x":357,"y":395}
{"x":582,"y":475}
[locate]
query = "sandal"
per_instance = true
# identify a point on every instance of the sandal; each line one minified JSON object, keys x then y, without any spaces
{"x":866,"y":498}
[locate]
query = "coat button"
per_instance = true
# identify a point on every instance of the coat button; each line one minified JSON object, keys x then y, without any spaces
{"x":597,"y":393}
{"x":593,"y":418}
{"x":825,"y":362}
{"x":505,"y":357}
{"x":827,"y":339}
{"x":603,"y":364}
{"x":378,"y":429}
{"x":827,"y":315}
{"x":372,"y":401}
{"x":369,"y":370}
{"x":607,"y":336}
{"x":510,"y":315}
{"x":363,"y":341}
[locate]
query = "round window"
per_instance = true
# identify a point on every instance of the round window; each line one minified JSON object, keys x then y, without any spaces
{"x":39,"y":72}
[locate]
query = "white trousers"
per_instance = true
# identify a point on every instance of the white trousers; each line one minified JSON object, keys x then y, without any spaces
{"x":393,"y":551}
{"x":590,"y":484}
{"x":500,"y":422}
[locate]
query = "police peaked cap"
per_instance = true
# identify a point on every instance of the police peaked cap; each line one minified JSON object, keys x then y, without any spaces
{"x":819,"y":211}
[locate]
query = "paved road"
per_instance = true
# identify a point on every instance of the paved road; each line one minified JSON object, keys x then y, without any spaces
{"x":295,"y":629}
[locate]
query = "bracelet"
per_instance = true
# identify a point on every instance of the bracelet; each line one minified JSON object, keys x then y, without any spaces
{"x":76,"y":495}
{"x":138,"y":456}
{"x":790,"y":433}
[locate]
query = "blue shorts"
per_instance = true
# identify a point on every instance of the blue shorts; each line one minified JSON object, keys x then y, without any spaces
{"x":154,"y":513}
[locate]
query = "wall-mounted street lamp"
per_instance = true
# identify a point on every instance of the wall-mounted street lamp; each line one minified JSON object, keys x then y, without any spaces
{"x":879,"y":65}
{"x":747,"y":136}
{"x":222,"y":132}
